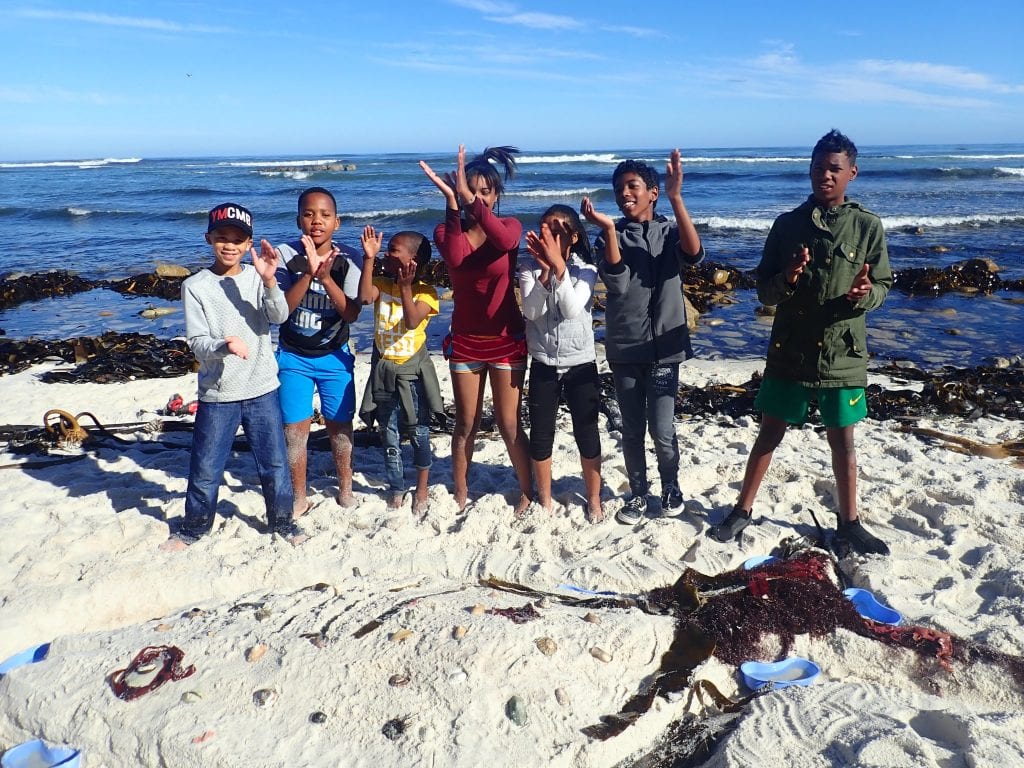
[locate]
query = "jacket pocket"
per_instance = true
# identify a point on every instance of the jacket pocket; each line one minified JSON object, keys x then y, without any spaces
{"x":854,"y":343}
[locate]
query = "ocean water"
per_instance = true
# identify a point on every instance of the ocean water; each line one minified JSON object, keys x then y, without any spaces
{"x":115,"y":217}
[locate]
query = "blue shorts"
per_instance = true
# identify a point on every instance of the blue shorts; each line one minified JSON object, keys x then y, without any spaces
{"x":331,"y":374}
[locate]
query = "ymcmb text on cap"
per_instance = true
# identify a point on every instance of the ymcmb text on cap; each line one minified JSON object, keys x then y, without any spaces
{"x":230,"y":215}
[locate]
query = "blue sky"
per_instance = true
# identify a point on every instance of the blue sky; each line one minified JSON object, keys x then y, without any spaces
{"x":158,"y":79}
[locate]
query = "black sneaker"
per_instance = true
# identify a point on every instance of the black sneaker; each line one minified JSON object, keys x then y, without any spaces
{"x":632,"y":511}
{"x":287,"y":529}
{"x":732,"y":526}
{"x":861,"y":539}
{"x":671,"y":499}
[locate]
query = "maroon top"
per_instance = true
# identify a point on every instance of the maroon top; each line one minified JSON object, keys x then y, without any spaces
{"x":482,"y":280}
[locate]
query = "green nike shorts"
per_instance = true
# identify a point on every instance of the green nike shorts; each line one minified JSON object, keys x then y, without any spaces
{"x":789,"y":401}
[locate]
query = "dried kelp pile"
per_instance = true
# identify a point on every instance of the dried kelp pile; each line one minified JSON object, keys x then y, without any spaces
{"x":165,"y":283}
{"x":157,"y":285}
{"x":988,"y":390}
{"x":112,"y":357}
{"x":21,"y":288}
{"x":970,"y":276}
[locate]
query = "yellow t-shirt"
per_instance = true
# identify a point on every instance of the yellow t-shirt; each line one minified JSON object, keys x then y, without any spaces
{"x":393,"y":342}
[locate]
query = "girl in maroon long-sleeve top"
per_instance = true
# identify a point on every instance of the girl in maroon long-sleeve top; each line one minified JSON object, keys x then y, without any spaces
{"x":488,"y":332}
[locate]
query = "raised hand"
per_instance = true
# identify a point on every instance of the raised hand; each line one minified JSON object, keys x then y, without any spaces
{"x":236,"y":346}
{"x":446,"y":185}
{"x":323,"y":272}
{"x":591,"y":214}
{"x":406,"y":273}
{"x":796,"y":265}
{"x":674,"y":174}
{"x":313,"y":259}
{"x":266,"y":261}
{"x":861,"y":286}
{"x":461,"y":184}
{"x":371,"y":241}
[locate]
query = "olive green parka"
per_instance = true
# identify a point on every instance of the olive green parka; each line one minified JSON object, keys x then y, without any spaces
{"x":819,"y":337}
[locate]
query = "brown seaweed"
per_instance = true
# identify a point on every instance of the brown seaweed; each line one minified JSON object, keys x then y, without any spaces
{"x":975,"y":276}
{"x":150,"y":284}
{"x":21,"y":288}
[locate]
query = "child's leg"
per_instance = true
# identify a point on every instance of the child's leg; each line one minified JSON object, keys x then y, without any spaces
{"x":631,"y":392}
{"x":421,"y":454}
{"x":662,"y":388}
{"x":262,"y":425}
{"x":844,"y":465}
{"x":387,"y":427}
{"x":768,"y":438}
{"x":296,"y":438}
{"x":336,"y":387}
{"x":212,"y":436}
{"x":507,"y":394}
{"x":468,"y":390}
{"x":296,"y":374}
{"x":543,"y":405}
{"x":583,"y":395}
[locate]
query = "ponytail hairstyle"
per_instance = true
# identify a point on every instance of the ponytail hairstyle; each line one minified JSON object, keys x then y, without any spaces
{"x":581,"y":247}
{"x":482,"y":165}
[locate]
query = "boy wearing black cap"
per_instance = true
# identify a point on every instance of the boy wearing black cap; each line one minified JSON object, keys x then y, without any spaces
{"x":228,"y":311}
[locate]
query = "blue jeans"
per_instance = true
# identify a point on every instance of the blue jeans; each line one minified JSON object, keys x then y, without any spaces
{"x":647,"y":398}
{"x":212,"y":436}
{"x":391,"y":431}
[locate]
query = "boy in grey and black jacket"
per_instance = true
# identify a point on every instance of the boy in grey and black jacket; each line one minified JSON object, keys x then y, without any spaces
{"x":640,"y":259}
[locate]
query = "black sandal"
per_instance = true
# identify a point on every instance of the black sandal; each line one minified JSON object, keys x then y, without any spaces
{"x":731,"y":527}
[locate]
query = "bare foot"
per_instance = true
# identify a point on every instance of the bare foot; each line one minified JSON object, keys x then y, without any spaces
{"x":461,"y":500}
{"x":346,"y":499}
{"x":522,"y":506}
{"x":395,"y":501}
{"x":296,"y":539}
{"x":420,"y":507}
{"x":594,"y":512}
{"x":300,"y":508}
{"x":173,"y":544}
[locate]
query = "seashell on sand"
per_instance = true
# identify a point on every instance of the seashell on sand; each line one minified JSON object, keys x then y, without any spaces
{"x":546,"y":645}
{"x":255,"y":653}
{"x":191,"y":697}
{"x":264,"y":697}
{"x":477,"y":610}
{"x":400,"y":635}
{"x":318,"y":718}
{"x":592,"y":618}
{"x":515,"y":710}
{"x":398,"y":681}
{"x":600,"y":654}
{"x":163,"y":627}
{"x":562,"y":697}
{"x":459,"y":632}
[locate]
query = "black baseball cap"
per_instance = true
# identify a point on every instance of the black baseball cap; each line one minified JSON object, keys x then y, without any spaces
{"x":230,"y":215}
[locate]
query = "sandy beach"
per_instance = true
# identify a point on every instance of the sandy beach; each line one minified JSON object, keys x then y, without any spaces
{"x":280,"y":679}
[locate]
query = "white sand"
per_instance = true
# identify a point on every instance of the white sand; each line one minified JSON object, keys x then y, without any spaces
{"x":80,"y":566}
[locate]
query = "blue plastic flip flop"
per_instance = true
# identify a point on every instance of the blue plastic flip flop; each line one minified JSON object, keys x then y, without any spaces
{"x":583,"y":591}
{"x":753,"y":562}
{"x":792,"y":671}
{"x":28,"y":656}
{"x":39,"y":754}
{"x":870,"y":607}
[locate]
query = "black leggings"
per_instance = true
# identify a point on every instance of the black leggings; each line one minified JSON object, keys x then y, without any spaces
{"x":582,"y":394}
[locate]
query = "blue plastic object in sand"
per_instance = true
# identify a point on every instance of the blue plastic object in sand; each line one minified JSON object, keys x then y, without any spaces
{"x":39,"y":754}
{"x":28,"y":656}
{"x":869,"y":607}
{"x":791,"y":671}
{"x":584,"y":591}
{"x":758,"y":560}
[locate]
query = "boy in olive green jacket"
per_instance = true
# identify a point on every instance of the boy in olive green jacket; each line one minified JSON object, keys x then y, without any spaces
{"x":824,"y":265}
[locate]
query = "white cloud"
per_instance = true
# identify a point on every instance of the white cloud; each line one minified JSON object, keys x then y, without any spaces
{"x":131,"y":22}
{"x":935,"y":74}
